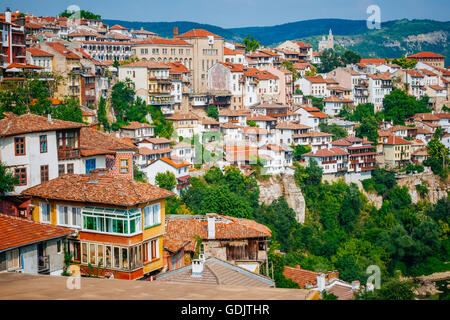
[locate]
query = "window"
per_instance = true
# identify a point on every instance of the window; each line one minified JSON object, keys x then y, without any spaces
{"x":152,"y":215}
{"x":59,"y":246}
{"x":117,"y":257}
{"x":69,"y":216}
{"x":108,"y":255}
{"x":123,"y":165}
{"x":92,"y":253}
{"x":43,"y":143}
{"x":19,"y":146}
{"x":84,"y":252}
{"x":12,"y":258}
{"x":100,"y":251}
{"x":44,"y":173}
{"x":44,"y":210}
{"x":21,"y":173}
{"x":125,"y":258}
{"x":70,"y":168}
{"x":61,"y":169}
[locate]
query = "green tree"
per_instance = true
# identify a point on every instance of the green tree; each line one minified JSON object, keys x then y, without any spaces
{"x":101,"y":113}
{"x":7,"y":180}
{"x":250,"y":43}
{"x":300,"y":150}
{"x":394,"y":289}
{"x":368,"y":128}
{"x":81,"y":14}
{"x":404,"y":63}
{"x":334,"y":129}
{"x":398,"y":106}
{"x":139,"y":175}
{"x":166,"y":180}
{"x":68,"y":110}
{"x":439,"y":155}
{"x":122,"y":97}
{"x":288,"y":65}
{"x":213,"y":112}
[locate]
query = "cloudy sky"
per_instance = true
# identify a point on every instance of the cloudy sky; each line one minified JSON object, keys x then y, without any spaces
{"x":239,"y":13}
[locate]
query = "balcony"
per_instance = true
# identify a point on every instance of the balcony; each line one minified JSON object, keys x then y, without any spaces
{"x":43,"y":264}
{"x":68,"y":154}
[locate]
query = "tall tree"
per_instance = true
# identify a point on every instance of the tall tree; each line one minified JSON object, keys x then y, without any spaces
{"x":250,"y":43}
{"x":166,"y":180}
{"x":7,"y":180}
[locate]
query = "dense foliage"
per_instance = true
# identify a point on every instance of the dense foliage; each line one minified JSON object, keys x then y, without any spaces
{"x":439,"y":155}
{"x":80,"y":15}
{"x":166,"y":180}
{"x":250,"y":43}
{"x":398,"y":106}
{"x":332,"y":59}
{"x":7,"y":180}
{"x":334,"y":129}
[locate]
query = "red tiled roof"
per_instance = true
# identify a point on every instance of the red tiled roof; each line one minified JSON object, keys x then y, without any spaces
{"x":175,"y":164}
{"x":229,"y":52}
{"x":147,"y":151}
{"x":301,"y":276}
{"x":137,"y":125}
{"x":38,"y":52}
{"x":315,"y":79}
{"x":13,"y":125}
{"x":426,"y":54}
{"x":147,"y":64}
{"x":183,"y":116}
{"x":327,"y":153}
{"x":302,"y":44}
{"x":17,"y":232}
{"x":96,"y":188}
{"x":22,"y":66}
{"x":177,"y":67}
{"x":117,"y":27}
{"x":91,"y":139}
{"x":61,"y":49}
{"x":197,"y":33}
{"x":373,"y":61}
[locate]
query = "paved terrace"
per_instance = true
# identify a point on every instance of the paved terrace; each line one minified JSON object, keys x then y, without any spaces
{"x":16,"y":286}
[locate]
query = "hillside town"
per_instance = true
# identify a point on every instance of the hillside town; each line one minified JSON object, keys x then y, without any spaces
{"x":118,"y":144}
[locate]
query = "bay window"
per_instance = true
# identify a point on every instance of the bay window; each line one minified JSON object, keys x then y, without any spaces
{"x":112,"y":221}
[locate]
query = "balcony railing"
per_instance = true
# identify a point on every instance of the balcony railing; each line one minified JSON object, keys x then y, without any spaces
{"x":68,"y":154}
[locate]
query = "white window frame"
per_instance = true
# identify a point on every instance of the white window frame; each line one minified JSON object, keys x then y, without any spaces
{"x":41,"y":216}
{"x":69,"y":216}
{"x":150,"y":213}
{"x":11,"y":258}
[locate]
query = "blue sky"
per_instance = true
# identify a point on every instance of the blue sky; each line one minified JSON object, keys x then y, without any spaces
{"x":239,"y":13}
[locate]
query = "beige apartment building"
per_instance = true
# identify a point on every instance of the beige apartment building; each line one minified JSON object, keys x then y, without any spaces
{"x":164,"y":51}
{"x":207,"y":51}
{"x":67,"y":64}
{"x":396,"y":151}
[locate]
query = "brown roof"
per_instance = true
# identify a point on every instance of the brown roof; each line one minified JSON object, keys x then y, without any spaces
{"x":301,"y":276}
{"x":38,"y":52}
{"x":146,"y":151}
{"x":174,"y":245}
{"x":61,"y":49}
{"x":156,"y":140}
{"x":236,"y":228}
{"x":342,"y":292}
{"x":27,"y":123}
{"x":17,"y":232}
{"x":183,"y":116}
{"x":147,"y":64}
{"x":198,"y":33}
{"x":97,"y":140}
{"x":137,"y":125}
{"x":327,"y":152}
{"x":97,"y":188}
{"x":313,"y":134}
{"x":291,"y":126}
{"x":396,"y":140}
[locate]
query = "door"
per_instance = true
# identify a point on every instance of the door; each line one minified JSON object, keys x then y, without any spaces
{"x":90,"y":165}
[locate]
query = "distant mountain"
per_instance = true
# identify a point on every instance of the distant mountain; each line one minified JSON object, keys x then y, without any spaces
{"x":392,"y":40}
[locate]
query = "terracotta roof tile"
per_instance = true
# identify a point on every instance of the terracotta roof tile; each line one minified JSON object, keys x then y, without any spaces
{"x":16,"y":232}
{"x":97,"y":188}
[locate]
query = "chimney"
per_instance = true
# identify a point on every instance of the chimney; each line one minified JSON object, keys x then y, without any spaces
{"x":355,"y":285}
{"x":211,"y":226}
{"x":49,"y":118}
{"x":321,"y":282}
{"x":175,"y":32}
{"x":197,"y":268}
{"x":8,"y":15}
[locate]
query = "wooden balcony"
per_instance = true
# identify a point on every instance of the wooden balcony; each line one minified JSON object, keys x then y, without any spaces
{"x":67,"y":154}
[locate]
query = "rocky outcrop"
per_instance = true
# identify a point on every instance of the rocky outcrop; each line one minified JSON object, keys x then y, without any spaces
{"x":273,"y":188}
{"x":437,"y":188}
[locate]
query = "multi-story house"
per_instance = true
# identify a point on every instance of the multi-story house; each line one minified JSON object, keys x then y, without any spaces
{"x":349,"y":78}
{"x":177,"y":166}
{"x":276,"y":158}
{"x":32,"y":147}
{"x":305,"y":50}
{"x":311,"y":117}
{"x":185,"y":151}
{"x":397,"y":151}
{"x":40,"y":58}
{"x":185,"y":124}
{"x":333,"y":105}
{"x":285,"y":132}
{"x":181,"y":78}
{"x":238,"y":117}
{"x":67,"y":64}
{"x":151,"y":81}
{"x":379,"y":86}
{"x":152,"y":149}
{"x":255,"y":136}
{"x":107,"y":50}
{"x":415,"y":81}
{"x":207,"y":51}
{"x":13,"y":40}
{"x":361,"y":156}
{"x":316,"y":140}
{"x":264,"y":58}
{"x":142,"y":34}
{"x":121,"y":232}
{"x":315,"y":86}
{"x":434,"y":59}
{"x":165,"y":51}
{"x":228,"y":78}
{"x":232,"y":56}
{"x":332,"y":160}
{"x":137,"y":131}
{"x":285,"y":83}
{"x":41,"y":251}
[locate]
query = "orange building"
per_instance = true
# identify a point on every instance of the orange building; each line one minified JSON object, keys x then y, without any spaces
{"x":119,"y":221}
{"x":431,"y":58}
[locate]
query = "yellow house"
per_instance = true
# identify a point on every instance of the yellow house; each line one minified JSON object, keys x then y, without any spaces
{"x":119,"y":221}
{"x":396,"y":151}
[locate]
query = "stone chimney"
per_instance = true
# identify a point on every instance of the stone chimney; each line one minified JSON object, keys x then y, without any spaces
{"x":8,"y":15}
{"x":197,"y":267}
{"x":175,"y":32}
{"x":211,"y":226}
{"x":321,"y":282}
